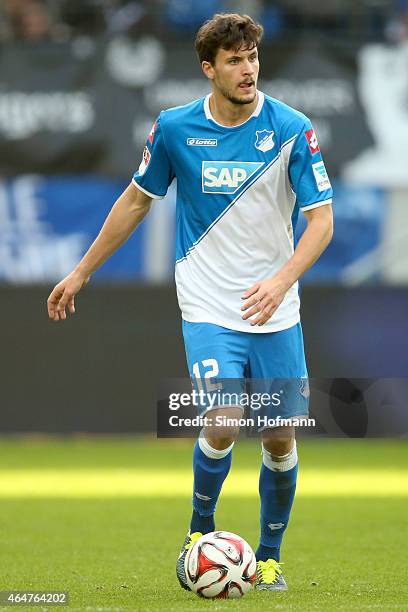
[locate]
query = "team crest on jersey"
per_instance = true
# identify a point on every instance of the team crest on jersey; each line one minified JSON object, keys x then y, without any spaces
{"x":264,"y":140}
{"x":227,"y":176}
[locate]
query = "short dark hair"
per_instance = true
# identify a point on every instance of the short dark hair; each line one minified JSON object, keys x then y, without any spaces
{"x":226,"y":31}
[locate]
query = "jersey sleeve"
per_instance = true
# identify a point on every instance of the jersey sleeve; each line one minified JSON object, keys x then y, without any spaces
{"x":307,"y":171}
{"x":155,"y":172}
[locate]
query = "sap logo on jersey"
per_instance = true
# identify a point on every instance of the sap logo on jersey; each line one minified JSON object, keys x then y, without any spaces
{"x":227,"y":177}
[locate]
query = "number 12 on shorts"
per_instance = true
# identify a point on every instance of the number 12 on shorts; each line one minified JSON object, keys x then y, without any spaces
{"x":210,"y":369}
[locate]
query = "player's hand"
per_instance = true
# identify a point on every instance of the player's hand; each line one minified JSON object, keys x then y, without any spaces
{"x":264,"y":298}
{"x":63,"y":295}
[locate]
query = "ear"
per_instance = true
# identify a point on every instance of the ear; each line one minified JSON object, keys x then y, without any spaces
{"x":208,"y":70}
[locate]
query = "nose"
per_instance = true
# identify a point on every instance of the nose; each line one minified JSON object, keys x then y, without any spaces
{"x":248,"y":68}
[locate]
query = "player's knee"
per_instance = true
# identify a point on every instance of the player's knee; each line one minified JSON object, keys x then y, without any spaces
{"x":278,"y":441}
{"x":278,"y":447}
{"x":222,"y":436}
{"x":221,"y":443}
{"x":222,"y":428}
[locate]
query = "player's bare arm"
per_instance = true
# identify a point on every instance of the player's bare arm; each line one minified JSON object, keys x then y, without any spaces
{"x":127,"y":213}
{"x":265,"y":297}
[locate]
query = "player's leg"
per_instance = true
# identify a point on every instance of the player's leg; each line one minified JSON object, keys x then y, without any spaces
{"x":277,"y":486}
{"x":211,"y":463}
{"x":278,"y":360}
{"x":213,"y":353}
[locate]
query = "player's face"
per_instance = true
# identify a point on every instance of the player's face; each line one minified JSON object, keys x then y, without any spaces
{"x":235,"y":74}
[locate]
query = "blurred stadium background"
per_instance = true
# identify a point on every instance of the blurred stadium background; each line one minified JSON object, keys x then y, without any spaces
{"x":81,"y":82}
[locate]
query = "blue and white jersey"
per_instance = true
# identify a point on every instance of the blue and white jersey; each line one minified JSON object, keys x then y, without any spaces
{"x":239,"y":191}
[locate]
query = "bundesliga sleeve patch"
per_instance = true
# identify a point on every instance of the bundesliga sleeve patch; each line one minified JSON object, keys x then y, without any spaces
{"x":152,"y":132}
{"x":145,"y":161}
{"x":321,"y":176}
{"x":312,"y":141}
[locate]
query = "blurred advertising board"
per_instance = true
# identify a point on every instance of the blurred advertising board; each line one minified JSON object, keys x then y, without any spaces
{"x":105,"y":365}
{"x":87,"y":106}
{"x":360,"y":219}
{"x":47,"y":224}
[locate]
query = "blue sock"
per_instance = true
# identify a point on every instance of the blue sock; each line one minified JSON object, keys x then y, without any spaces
{"x":211,"y":467}
{"x":277,"y":486}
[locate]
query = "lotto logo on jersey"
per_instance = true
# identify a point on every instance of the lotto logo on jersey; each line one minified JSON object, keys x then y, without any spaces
{"x":227,"y":177}
{"x":202,"y":142}
{"x":312,"y":141}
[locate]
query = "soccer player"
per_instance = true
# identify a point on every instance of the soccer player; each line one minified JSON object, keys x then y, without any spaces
{"x":245,"y":164}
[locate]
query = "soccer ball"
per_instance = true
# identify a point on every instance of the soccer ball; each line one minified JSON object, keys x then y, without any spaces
{"x":220,"y":564}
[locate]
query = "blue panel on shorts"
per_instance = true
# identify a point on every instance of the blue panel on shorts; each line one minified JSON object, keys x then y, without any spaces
{"x":274,"y":362}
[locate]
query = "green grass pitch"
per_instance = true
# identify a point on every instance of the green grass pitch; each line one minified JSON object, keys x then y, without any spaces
{"x":104,"y":518}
